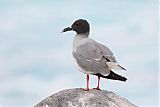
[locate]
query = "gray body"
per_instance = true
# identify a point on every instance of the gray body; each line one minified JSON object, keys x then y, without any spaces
{"x":90,"y":56}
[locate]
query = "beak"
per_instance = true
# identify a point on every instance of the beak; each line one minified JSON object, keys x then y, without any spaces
{"x":66,"y":29}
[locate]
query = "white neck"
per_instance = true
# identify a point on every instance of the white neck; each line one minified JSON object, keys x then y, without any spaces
{"x":79,"y":40}
{"x":84,"y":35}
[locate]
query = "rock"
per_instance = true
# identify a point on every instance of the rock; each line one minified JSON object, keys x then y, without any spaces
{"x":80,"y":98}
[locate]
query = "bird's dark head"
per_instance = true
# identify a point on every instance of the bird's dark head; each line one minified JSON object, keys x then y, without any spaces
{"x":80,"y":26}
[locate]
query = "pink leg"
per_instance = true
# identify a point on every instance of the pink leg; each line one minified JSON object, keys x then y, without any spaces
{"x":98,"y":83}
{"x":87,"y":88}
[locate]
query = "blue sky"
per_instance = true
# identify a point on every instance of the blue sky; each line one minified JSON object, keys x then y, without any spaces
{"x":36,"y":59}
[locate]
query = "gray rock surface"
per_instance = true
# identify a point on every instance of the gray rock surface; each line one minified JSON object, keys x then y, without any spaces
{"x":80,"y":98}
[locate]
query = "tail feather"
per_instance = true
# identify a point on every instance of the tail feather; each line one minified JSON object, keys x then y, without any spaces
{"x":115,"y":66}
{"x":122,"y":67}
{"x":112,"y":76}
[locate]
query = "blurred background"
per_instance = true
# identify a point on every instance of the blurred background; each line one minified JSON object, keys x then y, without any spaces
{"x":36,"y":59}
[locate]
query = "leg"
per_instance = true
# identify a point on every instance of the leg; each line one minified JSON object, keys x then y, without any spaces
{"x":87,"y":88}
{"x":98,"y":83}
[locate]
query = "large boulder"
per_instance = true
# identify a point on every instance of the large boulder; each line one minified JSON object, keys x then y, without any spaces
{"x":80,"y":98}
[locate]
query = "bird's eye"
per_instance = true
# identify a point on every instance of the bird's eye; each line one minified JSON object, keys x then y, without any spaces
{"x":77,"y":24}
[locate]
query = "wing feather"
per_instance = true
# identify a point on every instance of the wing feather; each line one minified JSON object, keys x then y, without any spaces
{"x":95,"y":51}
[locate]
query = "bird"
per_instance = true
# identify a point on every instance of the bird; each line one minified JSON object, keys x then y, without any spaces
{"x":91,"y":57}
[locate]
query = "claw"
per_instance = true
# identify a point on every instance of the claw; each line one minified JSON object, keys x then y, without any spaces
{"x":97,"y":88}
{"x":85,"y":89}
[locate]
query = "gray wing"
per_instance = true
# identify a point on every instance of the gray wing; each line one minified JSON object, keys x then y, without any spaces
{"x":93,"y":57}
{"x":106,"y":52}
{"x":95,"y":51}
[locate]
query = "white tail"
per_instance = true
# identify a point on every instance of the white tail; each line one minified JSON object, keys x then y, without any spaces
{"x":115,"y":66}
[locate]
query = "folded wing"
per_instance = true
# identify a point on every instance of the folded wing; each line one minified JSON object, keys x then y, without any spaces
{"x":99,"y":56}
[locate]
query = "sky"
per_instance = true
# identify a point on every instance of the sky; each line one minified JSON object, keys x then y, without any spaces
{"x":36,"y":59}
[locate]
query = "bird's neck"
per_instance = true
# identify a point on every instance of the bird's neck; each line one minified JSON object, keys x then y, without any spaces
{"x":83,"y":35}
{"x":79,"y":40}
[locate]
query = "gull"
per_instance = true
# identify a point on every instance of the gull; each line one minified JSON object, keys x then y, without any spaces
{"x":91,"y":57}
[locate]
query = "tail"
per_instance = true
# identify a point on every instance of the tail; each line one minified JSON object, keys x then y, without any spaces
{"x":115,"y":66}
{"x":112,"y":76}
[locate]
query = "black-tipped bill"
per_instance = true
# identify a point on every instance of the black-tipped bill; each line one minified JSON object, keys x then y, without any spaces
{"x":67,"y":29}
